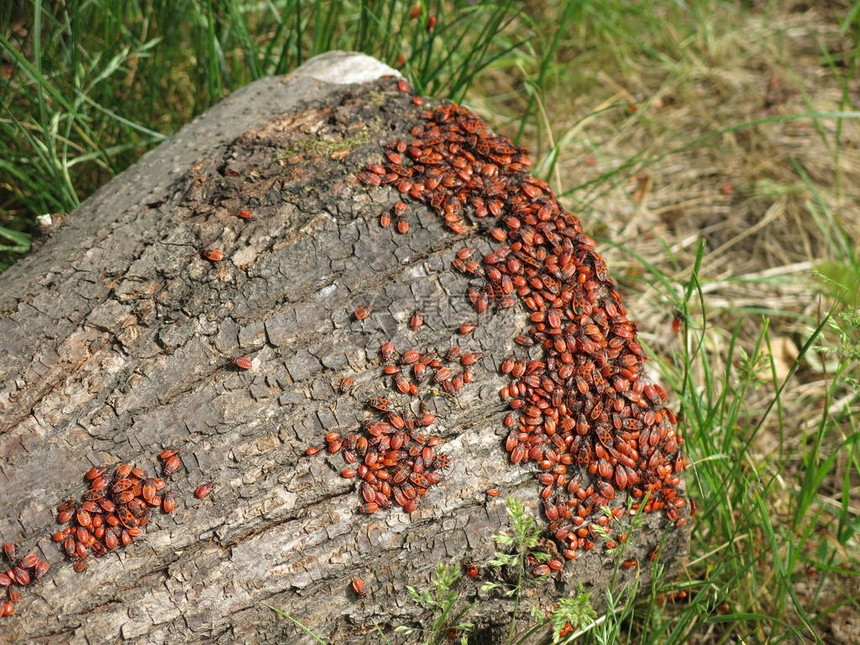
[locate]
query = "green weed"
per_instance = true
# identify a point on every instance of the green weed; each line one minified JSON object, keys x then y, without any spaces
{"x":520,"y":542}
{"x":447,"y":613}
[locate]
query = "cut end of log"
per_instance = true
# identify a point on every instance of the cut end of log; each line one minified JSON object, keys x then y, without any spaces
{"x":344,"y":68}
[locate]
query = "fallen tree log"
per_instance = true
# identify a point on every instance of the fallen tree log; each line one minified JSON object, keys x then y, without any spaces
{"x":117,"y":340}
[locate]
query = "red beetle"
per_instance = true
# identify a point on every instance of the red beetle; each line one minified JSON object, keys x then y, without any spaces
{"x":203,"y":490}
{"x":110,"y":540}
{"x":400,"y":382}
{"x":359,"y":587}
{"x":214,"y":255}
{"x":417,"y":319}
{"x":83,"y":518}
{"x":409,"y":357}
{"x":172,"y":465}
{"x":242,"y":362}
{"x":95,"y":471}
{"x":468,"y":328}
{"x":383,"y":405}
{"x":148,"y":491}
{"x":470,"y":358}
{"x":42,"y":567}
{"x":363,"y":312}
{"x":386,"y":351}
{"x":125,"y":517}
{"x":119,"y":486}
{"x":21,"y":576}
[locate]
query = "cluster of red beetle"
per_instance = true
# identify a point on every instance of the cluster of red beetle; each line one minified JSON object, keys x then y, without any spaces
{"x":110,"y":514}
{"x":411,"y":369}
{"x":396,"y":461}
{"x":114,"y":509}
{"x":22,"y":572}
{"x":583,"y":411}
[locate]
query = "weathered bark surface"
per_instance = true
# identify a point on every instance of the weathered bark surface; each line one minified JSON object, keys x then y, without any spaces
{"x":116,"y":339}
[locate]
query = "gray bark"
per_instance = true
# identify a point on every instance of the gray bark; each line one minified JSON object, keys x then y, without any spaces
{"x":116,"y":339}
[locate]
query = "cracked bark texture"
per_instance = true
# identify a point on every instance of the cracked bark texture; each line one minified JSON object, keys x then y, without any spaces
{"x":116,"y":339}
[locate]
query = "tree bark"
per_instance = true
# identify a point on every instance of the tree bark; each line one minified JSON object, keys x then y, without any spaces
{"x":116,"y":339}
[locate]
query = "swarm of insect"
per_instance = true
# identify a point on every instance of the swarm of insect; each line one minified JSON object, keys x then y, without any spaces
{"x":583,"y":413}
